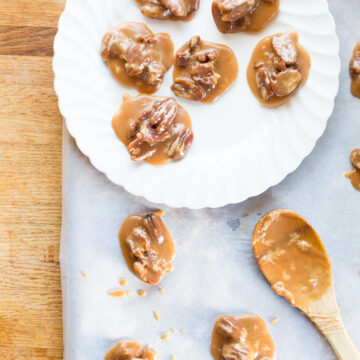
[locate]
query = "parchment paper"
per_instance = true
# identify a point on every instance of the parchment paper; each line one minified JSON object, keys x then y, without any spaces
{"x":215,"y":271}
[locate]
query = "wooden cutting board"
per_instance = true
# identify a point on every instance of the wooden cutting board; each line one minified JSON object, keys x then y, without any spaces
{"x":30,"y":182}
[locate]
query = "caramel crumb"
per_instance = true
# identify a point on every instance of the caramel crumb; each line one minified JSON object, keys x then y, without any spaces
{"x":274,"y":321}
{"x":85,"y":274}
{"x":182,"y":332}
{"x":173,"y":330}
{"x":156,"y":316}
{"x":165,"y":336}
{"x":162,"y":291}
{"x":119,"y":293}
{"x":142,"y":293}
{"x":124,"y":282}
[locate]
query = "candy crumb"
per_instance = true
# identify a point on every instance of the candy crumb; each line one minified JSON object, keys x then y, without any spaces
{"x":124,"y":282}
{"x":156,"y":316}
{"x":119,"y":293}
{"x":274,"y":321}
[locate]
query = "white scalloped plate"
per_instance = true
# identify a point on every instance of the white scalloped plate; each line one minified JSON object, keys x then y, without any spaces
{"x":240,"y":148}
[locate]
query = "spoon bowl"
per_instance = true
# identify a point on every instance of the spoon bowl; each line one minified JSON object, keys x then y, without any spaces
{"x":294,"y":260}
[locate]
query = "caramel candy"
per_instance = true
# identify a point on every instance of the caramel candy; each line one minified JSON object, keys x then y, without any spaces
{"x":278,"y":68}
{"x":136,"y":57}
{"x":153,"y":128}
{"x":203,"y":70}
{"x":232,"y":16}
{"x":147,"y":247}
{"x":242,"y":337}
{"x":129,"y":349}
{"x":354,"y":68}
{"x":169,"y":9}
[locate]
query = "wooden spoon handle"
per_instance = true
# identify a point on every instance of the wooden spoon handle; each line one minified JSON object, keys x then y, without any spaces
{"x":343,"y":345}
{"x":334,"y":330}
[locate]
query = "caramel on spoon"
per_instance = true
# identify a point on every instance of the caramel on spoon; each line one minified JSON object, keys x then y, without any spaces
{"x":294,"y":260}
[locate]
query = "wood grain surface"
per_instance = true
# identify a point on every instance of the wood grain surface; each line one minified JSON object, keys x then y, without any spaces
{"x":30,"y":182}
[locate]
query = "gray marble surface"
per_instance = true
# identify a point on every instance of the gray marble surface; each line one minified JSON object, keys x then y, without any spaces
{"x":215,"y":272}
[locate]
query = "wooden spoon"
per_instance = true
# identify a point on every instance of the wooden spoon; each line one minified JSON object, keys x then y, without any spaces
{"x":294,"y":260}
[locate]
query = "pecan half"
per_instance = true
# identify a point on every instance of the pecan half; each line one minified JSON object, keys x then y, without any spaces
{"x":155,"y":227}
{"x":145,"y":132}
{"x":152,"y":125}
{"x":137,"y":58}
{"x":115,"y":45}
{"x":232,"y":10}
{"x":177,"y":7}
{"x":183,"y":57}
{"x":163,"y":114}
{"x":155,"y":9}
{"x":355,"y":158}
{"x":181,"y":143}
{"x":187,"y":89}
{"x":263,"y":81}
{"x":140,"y":60}
{"x":155,"y":72}
{"x":286,"y":82}
{"x":138,"y":242}
{"x":229,"y":328}
{"x":152,"y":270}
{"x":285,"y":47}
{"x":205,"y":74}
{"x":237,"y":351}
{"x":140,"y":149}
{"x":207,"y":55}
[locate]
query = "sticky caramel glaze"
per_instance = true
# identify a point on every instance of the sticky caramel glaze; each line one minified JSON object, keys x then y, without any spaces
{"x":164,"y":250}
{"x":262,"y":14}
{"x":303,"y":64}
{"x":226,"y":66}
{"x":258,"y":343}
{"x":130,"y":349}
{"x":190,"y":3}
{"x":132,"y":108}
{"x":292,"y":257}
{"x":355,"y":80}
{"x":134,"y":31}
